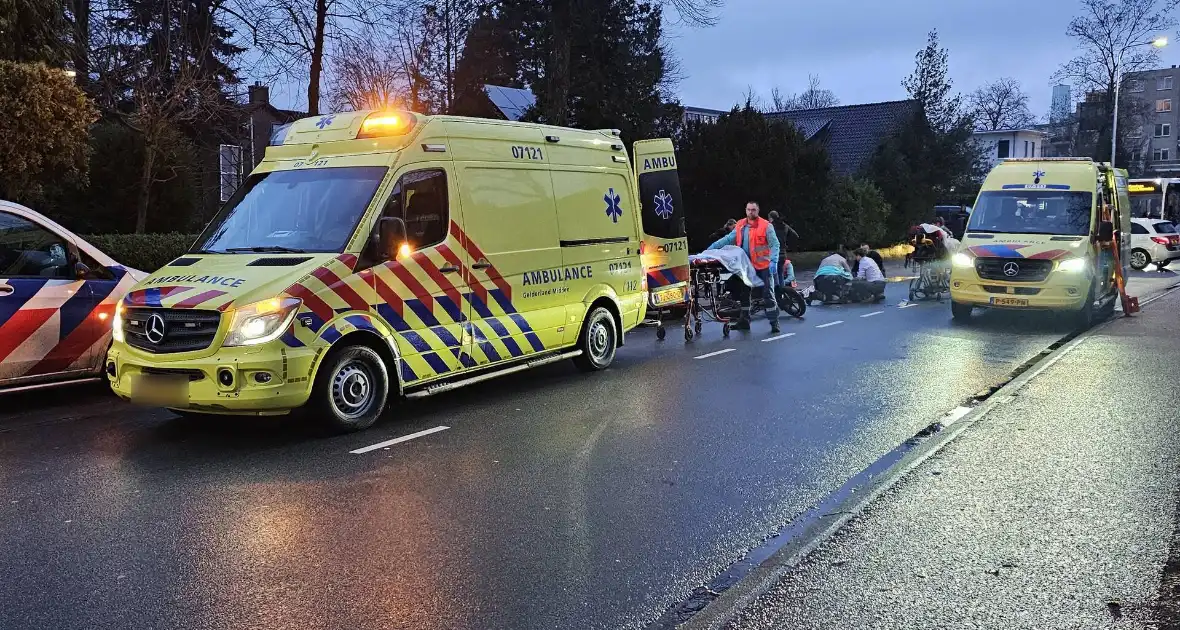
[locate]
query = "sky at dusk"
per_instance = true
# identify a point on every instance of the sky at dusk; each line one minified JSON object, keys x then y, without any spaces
{"x":862,"y":49}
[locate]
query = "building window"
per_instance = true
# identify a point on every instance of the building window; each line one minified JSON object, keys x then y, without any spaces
{"x":1003,"y":149}
{"x":1160,"y":155}
{"x":230,"y":167}
{"x":1163,"y":130}
{"x":1134,"y":86}
{"x":1163,"y":83}
{"x":1034,"y":150}
{"x":1136,"y":155}
{"x":1163,"y":105}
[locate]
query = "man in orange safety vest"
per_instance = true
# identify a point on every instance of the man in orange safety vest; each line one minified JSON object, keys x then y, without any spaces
{"x":756,"y":237}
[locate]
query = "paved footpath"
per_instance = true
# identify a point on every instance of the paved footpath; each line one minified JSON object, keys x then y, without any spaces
{"x":1055,"y":509}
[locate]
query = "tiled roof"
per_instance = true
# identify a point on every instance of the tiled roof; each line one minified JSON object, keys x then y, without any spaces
{"x":852,"y":133}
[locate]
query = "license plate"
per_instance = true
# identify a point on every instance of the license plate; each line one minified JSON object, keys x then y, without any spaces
{"x":163,"y":390}
{"x":1006,"y":301}
{"x":668,"y":296}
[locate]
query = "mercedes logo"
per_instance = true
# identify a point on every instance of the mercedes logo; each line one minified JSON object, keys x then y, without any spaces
{"x":156,"y":329}
{"x":1010,"y":270}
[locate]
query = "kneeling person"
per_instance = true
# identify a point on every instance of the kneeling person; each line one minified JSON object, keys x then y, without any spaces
{"x":869,"y":282}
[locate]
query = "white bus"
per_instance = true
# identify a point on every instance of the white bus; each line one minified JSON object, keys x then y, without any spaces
{"x":1155,"y":198}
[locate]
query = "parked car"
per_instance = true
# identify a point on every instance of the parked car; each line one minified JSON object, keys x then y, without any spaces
{"x":57,"y":298}
{"x":1153,"y":241}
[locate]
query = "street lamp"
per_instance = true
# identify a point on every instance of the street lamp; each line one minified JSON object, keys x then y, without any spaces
{"x":1158,"y":42}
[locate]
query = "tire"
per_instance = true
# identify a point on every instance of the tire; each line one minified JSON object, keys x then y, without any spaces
{"x":1140,"y":259}
{"x":961,"y":312}
{"x":793,"y":304}
{"x":351,"y":389}
{"x":1084,"y":317}
{"x":598,"y":341}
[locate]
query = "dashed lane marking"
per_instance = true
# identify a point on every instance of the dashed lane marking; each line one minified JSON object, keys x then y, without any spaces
{"x":713,"y":354}
{"x":872,"y":314}
{"x":776,"y":338}
{"x":830,"y":324}
{"x":404,"y":438}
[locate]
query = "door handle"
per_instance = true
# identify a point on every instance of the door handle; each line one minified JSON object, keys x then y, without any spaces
{"x":449,"y":269}
{"x":483,"y":264}
{"x":5,"y":289}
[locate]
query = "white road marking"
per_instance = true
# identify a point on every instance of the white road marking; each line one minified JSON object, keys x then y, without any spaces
{"x":713,"y":354}
{"x":955,"y":415}
{"x":830,"y":324}
{"x":872,"y":314}
{"x":911,"y":304}
{"x":404,"y":438}
{"x":776,"y":338}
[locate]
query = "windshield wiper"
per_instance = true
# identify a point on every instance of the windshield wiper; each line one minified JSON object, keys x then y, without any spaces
{"x":264,"y":249}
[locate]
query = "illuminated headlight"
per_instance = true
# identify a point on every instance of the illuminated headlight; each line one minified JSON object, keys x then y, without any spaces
{"x":962,"y":260}
{"x":1072,"y":265}
{"x":261,"y":322}
{"x":117,"y":324}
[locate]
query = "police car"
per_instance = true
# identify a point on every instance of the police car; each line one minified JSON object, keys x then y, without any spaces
{"x":57,"y":298}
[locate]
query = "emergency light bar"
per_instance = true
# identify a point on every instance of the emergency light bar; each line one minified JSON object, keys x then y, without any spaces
{"x":381,"y":124}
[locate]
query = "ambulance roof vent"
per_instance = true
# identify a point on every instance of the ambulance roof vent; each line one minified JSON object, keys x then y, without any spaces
{"x":183,"y":262}
{"x":279,"y":261}
{"x":611,"y":132}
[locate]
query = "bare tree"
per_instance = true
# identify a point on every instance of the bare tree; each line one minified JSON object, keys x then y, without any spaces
{"x":1001,"y":104}
{"x":697,"y":12}
{"x":1114,"y":38}
{"x":814,"y":97}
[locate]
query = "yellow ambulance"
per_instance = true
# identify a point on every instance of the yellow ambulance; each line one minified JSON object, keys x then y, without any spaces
{"x":373,"y":254}
{"x":1042,"y":235}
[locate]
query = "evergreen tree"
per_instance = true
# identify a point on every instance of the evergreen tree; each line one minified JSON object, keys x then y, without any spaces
{"x":33,"y":31}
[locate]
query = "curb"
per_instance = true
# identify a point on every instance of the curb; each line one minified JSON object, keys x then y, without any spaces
{"x":728,"y":604}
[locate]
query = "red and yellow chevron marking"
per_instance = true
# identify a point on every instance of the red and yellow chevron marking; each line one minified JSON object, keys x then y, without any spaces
{"x":179,"y":297}
{"x":427,"y":311}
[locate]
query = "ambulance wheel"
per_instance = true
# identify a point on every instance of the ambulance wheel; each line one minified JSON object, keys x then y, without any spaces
{"x":351,"y":388}
{"x":598,"y":341}
{"x":1140,"y":259}
{"x":1084,"y":317}
{"x":661,"y":333}
{"x":960,"y":312}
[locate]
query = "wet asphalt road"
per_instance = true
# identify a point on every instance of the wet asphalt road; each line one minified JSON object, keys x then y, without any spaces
{"x":553,"y":500}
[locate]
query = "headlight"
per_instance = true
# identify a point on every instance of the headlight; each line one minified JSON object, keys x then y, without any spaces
{"x":1072,"y":265}
{"x":962,"y":260}
{"x":261,"y":322}
{"x":117,"y":324}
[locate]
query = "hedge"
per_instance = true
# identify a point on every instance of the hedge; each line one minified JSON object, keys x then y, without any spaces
{"x":146,"y":252}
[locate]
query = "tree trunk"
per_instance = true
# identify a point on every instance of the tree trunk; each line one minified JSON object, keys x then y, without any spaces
{"x":558,"y":69}
{"x":147,"y":176}
{"x":317,"y":58}
{"x":81,"y":53}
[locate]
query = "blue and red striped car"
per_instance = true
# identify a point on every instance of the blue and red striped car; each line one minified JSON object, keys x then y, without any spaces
{"x":57,"y":296}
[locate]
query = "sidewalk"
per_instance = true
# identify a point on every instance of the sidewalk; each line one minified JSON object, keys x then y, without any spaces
{"x":1054,"y":510}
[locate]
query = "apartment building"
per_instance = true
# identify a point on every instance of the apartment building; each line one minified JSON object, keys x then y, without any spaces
{"x":1156,"y":135}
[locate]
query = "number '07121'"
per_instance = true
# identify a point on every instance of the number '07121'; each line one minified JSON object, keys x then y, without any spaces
{"x":527,"y":153}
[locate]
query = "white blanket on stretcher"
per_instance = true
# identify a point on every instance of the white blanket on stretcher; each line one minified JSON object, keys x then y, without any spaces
{"x":735,"y":260}
{"x":948,"y":239}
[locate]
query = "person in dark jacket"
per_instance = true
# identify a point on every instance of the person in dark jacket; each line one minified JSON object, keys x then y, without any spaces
{"x":786,"y":235}
{"x":719,"y":234}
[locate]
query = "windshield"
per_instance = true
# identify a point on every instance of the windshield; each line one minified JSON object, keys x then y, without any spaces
{"x":308,"y":210}
{"x":1032,"y":212}
{"x":1165,"y":227}
{"x":1145,"y":205}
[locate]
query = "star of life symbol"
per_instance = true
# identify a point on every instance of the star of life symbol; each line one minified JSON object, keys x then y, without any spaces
{"x":326,"y":121}
{"x":664,"y":205}
{"x":1037,"y":175}
{"x":613,"y":210}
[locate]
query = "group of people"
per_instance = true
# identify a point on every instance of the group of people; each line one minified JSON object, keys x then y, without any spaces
{"x":763,"y":241}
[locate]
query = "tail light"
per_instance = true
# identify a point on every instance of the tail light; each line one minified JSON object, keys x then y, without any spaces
{"x":1161,"y":240}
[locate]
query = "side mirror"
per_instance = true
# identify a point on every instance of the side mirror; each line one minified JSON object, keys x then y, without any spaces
{"x":391,"y":233}
{"x":81,"y":271}
{"x":1105,"y":232}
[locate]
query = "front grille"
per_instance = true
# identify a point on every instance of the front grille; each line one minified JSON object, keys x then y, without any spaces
{"x":184,"y":330}
{"x":1026,"y":269}
{"x":193,"y":375}
{"x":991,"y":288}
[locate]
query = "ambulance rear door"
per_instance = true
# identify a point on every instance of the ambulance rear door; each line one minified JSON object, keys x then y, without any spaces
{"x":665,"y":240}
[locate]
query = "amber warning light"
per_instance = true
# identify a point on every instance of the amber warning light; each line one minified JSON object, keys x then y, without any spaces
{"x":379,"y":124}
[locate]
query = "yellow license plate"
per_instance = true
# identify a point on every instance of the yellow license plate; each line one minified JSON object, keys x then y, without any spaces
{"x":1006,"y":301}
{"x":668,"y":296}
{"x":163,"y":390}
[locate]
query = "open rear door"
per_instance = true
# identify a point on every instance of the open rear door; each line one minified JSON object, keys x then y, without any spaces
{"x":665,"y":241}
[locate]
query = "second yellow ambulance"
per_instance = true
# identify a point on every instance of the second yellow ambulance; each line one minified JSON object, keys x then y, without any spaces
{"x":373,"y":254}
